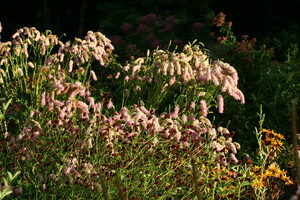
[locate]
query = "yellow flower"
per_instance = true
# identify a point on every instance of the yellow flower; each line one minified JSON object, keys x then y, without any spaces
{"x":273,"y":167}
{"x":251,"y":173}
{"x":270,"y":139}
{"x":256,"y":168}
{"x":258,"y":183}
{"x":279,"y":136}
{"x":289,"y":182}
{"x":277,"y":145}
{"x":281,"y":174}
{"x":273,"y":133}
{"x":265,"y":130}
{"x":267,"y":173}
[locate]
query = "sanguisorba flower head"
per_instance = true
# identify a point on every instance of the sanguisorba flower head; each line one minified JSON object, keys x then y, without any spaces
{"x":204,"y":108}
{"x":191,"y":67}
{"x":220,"y":103}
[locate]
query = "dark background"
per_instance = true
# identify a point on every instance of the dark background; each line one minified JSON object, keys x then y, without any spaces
{"x":258,"y":18}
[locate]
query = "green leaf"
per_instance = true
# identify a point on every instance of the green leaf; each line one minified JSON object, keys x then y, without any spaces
{"x":5,"y":106}
{"x":4,"y":193}
{"x":10,"y":176}
{"x":16,"y":174}
{"x":244,"y":183}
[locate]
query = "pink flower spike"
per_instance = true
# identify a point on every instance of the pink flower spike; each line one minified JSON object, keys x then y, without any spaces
{"x":91,"y":102}
{"x":58,"y":103}
{"x":124,"y":111}
{"x":233,"y":158}
{"x":73,"y":94}
{"x":203,"y":108}
{"x":184,"y":118}
{"x":241,"y":95}
{"x":117,"y":75}
{"x":110,"y":104}
{"x":144,"y":110}
{"x":225,"y":85}
{"x":20,"y":72}
{"x":43,"y":99}
{"x":215,"y":80}
{"x":231,"y":147}
{"x":50,"y":106}
{"x":93,"y":75}
{"x":30,"y":64}
{"x":126,"y":78}
{"x":155,"y":141}
{"x":193,"y":105}
{"x":220,"y":103}
{"x":71,"y":65}
{"x":0,"y":27}
{"x":174,"y":114}
{"x":172,"y":80}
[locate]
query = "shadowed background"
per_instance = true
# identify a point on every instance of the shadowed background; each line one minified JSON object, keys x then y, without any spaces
{"x":257,"y":18}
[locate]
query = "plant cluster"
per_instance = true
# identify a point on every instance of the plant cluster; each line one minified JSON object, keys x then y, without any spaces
{"x":265,"y":79}
{"x":268,"y":179}
{"x":75,"y":123}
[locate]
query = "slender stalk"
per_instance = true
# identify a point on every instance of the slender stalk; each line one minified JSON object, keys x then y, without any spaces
{"x":294,"y":138}
{"x":103,"y":186}
{"x":195,"y":178}
{"x":120,"y":187}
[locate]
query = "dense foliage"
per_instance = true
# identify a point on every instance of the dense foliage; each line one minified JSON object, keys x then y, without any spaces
{"x":79,"y":122}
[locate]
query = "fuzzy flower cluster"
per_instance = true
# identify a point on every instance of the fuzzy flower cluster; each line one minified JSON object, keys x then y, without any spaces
{"x":79,"y":170}
{"x":190,"y":67}
{"x":94,"y":46}
{"x":23,"y":39}
{"x":30,"y":133}
{"x":70,"y":92}
{"x":180,"y":130}
{"x":224,"y":145}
